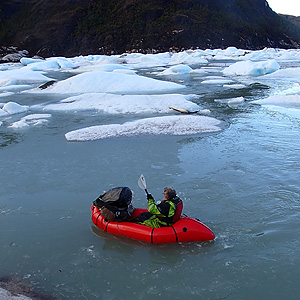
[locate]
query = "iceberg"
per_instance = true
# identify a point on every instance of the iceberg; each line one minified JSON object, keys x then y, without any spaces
{"x":166,"y":125}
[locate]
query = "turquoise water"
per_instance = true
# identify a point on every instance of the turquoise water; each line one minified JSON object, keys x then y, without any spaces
{"x":243,"y":182}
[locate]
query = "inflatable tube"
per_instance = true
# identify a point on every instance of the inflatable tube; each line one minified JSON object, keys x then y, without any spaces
{"x":186,"y":229}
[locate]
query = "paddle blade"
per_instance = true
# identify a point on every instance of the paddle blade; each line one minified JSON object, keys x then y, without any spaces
{"x":142,"y":182}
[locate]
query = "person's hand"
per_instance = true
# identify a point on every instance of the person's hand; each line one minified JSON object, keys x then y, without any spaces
{"x":149,"y":196}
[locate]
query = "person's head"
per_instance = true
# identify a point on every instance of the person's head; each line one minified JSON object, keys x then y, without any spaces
{"x":169,"y":193}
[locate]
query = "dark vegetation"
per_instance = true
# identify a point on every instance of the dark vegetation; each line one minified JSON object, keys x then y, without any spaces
{"x":74,"y":27}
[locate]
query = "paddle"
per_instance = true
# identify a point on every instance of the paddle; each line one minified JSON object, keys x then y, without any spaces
{"x":142,"y":183}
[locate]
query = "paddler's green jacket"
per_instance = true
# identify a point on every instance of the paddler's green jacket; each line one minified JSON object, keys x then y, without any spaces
{"x":162,"y":213}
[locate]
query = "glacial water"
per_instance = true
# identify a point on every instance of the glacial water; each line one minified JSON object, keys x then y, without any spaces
{"x":243,"y":182}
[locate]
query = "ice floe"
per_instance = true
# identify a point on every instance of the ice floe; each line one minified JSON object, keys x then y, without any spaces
{"x":31,"y":120}
{"x":49,"y":64}
{"x":292,"y":74}
{"x":166,"y":125}
{"x":232,"y":102}
{"x":14,"y":108}
{"x":122,"y":104}
{"x":219,"y":81}
{"x":252,"y":68}
{"x":111,"y":82}
{"x":21,"y":77}
{"x":178,"y":69}
{"x":280,"y":100}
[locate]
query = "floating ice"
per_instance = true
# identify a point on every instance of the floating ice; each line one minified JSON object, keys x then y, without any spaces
{"x":112,"y":82}
{"x":3,"y":113}
{"x":26,"y":60}
{"x":5,"y":94}
{"x":234,"y":86}
{"x":15,"y":88}
{"x":21,"y":77}
{"x":14,"y":108}
{"x":167,"y":125}
{"x":122,"y":104}
{"x":251,"y":68}
{"x":292,"y":74}
{"x":101,"y":67}
{"x":217,"y":81}
{"x":188,"y":58}
{"x":33,"y":119}
{"x":49,"y":64}
{"x":280,"y":100}
{"x":232,"y":102}
{"x":178,"y":69}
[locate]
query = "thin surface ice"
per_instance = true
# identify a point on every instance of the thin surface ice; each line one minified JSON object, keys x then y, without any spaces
{"x":167,"y":125}
{"x":111,"y":82}
{"x":122,"y":104}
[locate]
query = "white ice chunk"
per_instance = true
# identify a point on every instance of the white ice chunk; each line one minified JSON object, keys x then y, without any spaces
{"x":26,"y":60}
{"x":31,"y":120}
{"x":5,"y":94}
{"x":167,"y":125}
{"x":122,"y":104}
{"x":217,"y":81}
{"x":101,"y":67}
{"x":50,"y":64}
{"x":178,"y":69}
{"x":21,"y":77}
{"x":235,"y":101}
{"x":3,"y":113}
{"x":234,"y":86}
{"x":292,"y":74}
{"x":111,"y":82}
{"x":280,"y":100}
{"x":251,"y":68}
{"x":188,"y":58}
{"x":14,"y":108}
{"x":15,"y":88}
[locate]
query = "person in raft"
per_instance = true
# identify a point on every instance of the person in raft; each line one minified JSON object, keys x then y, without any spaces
{"x":165,"y":213}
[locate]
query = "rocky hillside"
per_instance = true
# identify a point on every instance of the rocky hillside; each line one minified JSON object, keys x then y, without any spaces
{"x":73,"y":27}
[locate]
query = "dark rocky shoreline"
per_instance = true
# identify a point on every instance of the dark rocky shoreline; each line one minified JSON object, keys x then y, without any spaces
{"x":78,"y":27}
{"x":11,"y":54}
{"x":16,"y":289}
